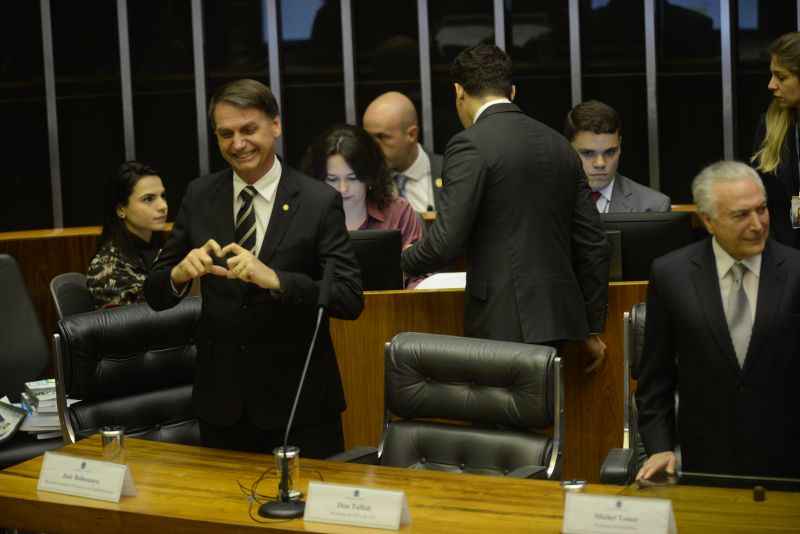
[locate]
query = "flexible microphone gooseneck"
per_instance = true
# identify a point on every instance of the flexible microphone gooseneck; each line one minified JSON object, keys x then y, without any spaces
{"x":285,"y":507}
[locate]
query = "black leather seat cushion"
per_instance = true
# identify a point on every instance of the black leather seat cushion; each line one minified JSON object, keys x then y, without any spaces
{"x":462,"y":449}
{"x":159,"y":414}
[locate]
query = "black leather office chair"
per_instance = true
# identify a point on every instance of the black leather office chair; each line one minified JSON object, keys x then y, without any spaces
{"x":494,"y":393}
{"x":129,"y":366}
{"x":24,"y":356}
{"x":70,"y":294}
{"x":621,"y":465}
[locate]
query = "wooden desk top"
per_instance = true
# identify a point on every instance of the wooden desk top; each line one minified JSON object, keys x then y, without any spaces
{"x":191,"y":489}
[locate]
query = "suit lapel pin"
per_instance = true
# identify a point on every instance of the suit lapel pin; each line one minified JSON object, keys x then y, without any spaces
{"x":286,"y":207}
{"x":439,"y":183}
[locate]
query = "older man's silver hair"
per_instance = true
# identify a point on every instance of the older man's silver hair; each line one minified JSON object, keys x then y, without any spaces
{"x":718,"y":173}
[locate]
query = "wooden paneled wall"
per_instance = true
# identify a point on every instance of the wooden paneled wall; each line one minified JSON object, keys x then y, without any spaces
{"x":43,"y":254}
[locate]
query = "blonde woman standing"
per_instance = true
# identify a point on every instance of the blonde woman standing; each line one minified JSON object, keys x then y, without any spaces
{"x":777,"y":146}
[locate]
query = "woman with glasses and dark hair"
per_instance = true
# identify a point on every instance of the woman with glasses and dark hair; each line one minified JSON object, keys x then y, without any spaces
{"x":777,"y":146}
{"x":134,"y":216}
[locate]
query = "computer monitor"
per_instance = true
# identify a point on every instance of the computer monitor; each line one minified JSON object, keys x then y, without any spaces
{"x":378,"y":253}
{"x":646,"y":236}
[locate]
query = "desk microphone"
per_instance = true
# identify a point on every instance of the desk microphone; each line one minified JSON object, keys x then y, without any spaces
{"x":285,"y":507}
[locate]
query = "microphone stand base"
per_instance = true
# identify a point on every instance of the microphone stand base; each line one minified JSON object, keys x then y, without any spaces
{"x":282,"y":510}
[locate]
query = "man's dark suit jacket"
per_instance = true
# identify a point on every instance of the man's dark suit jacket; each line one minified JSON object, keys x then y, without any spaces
{"x":516,"y":198}
{"x":251,"y":342}
{"x":781,"y":185}
{"x":730,"y":420}
{"x":628,"y":196}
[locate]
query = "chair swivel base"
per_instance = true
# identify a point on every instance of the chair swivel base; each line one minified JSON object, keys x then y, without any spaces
{"x":282,"y":510}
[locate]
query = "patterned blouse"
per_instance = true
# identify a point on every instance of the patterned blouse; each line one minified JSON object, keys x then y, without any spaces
{"x":115,"y":278}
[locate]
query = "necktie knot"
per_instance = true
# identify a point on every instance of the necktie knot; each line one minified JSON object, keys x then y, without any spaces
{"x":738,"y":271}
{"x":595,"y":195}
{"x":248,"y":193}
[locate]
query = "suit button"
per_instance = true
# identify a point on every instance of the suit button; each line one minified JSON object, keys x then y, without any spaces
{"x":242,"y":348}
{"x":244,"y":306}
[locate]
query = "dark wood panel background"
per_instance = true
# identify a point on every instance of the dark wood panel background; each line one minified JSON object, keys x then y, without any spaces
{"x":43,"y":254}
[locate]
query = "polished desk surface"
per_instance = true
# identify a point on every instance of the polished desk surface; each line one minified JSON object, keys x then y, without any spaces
{"x":192,"y":489}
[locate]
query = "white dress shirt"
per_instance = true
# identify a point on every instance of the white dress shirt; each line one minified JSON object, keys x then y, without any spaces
{"x":419,"y":186}
{"x":603,"y":202}
{"x":267,"y":187}
{"x":487,"y":104}
{"x":749,"y":279}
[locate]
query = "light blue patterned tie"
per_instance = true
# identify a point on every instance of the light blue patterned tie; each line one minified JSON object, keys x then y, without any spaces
{"x":400,"y":180}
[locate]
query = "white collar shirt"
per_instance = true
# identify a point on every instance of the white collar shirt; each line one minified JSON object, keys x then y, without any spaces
{"x":419,"y":183}
{"x":487,"y":104}
{"x":752,"y":273}
{"x":603,"y":202}
{"x":263,"y":202}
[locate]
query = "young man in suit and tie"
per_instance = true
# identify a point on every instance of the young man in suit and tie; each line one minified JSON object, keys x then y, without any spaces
{"x":722,"y":332}
{"x":260,"y":235}
{"x":516,"y":201}
{"x":595,"y":131}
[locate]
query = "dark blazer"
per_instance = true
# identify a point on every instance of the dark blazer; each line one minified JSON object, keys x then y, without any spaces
{"x":252,"y":342}
{"x":781,"y":185}
{"x":515,"y":198}
{"x":628,"y":196}
{"x":730,"y":419}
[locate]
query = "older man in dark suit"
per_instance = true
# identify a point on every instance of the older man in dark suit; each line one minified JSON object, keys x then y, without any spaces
{"x":260,"y":235}
{"x":722,"y":332}
{"x":515,"y":199}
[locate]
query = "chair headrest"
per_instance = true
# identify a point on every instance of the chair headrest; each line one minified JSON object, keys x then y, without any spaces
{"x":477,"y":380}
{"x":24,"y":353}
{"x":116,"y":351}
{"x":70,"y":294}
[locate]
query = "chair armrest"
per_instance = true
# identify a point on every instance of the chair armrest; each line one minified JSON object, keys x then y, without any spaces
{"x":357,"y":455}
{"x":529,"y":471}
{"x":617,"y":467}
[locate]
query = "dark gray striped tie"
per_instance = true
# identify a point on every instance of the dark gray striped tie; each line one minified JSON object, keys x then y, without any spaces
{"x":246,"y":220}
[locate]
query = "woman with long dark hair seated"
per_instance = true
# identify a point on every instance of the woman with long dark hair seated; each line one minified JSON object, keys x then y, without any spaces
{"x":348,"y":159}
{"x":777,"y":146}
{"x":134,"y":215}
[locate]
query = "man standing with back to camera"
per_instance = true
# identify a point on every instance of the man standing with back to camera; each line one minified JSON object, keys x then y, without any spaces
{"x":516,"y":200}
{"x":260,"y":235}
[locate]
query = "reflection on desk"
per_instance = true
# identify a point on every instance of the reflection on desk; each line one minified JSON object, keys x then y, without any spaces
{"x":192,"y":489}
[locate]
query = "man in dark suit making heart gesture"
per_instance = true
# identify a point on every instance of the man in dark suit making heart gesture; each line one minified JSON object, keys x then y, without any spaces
{"x":260,"y":235}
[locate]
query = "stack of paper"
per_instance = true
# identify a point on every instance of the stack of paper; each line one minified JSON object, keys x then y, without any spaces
{"x":39,"y":401}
